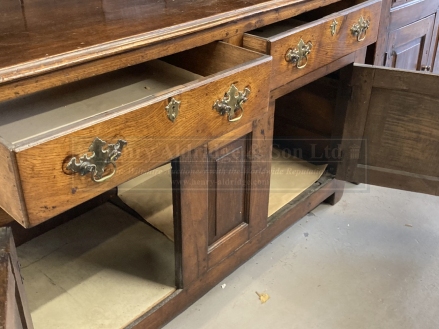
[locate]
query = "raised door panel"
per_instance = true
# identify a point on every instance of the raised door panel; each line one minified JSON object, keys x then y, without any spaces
{"x":239,"y":181}
{"x":408,"y":47}
{"x":408,"y":57}
{"x":391,"y":134}
{"x":227,"y":186}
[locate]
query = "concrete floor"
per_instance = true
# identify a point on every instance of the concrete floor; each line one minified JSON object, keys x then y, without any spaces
{"x":371,"y":261}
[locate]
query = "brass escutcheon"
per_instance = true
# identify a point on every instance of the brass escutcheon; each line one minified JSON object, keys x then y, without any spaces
{"x":232,"y":102}
{"x":359,"y":29}
{"x":99,"y":160}
{"x":172,"y":109}
{"x":299,"y":55}
{"x":333,"y":27}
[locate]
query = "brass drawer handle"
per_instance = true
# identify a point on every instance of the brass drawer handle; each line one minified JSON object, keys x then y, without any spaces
{"x":299,"y":55}
{"x":99,"y":160}
{"x":232,"y":102}
{"x":359,"y":29}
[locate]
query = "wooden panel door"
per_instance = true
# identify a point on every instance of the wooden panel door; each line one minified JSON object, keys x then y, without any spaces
{"x":408,"y":47}
{"x":239,"y":181}
{"x":228,"y":201}
{"x":391,"y":132}
{"x":228,"y":168}
{"x":14,"y":312}
{"x":221,"y":197}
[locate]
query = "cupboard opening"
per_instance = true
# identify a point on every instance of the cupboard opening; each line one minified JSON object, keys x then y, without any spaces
{"x":304,"y":154}
{"x":107,"y":266}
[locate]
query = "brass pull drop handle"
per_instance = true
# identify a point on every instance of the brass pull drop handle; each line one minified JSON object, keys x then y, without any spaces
{"x":99,"y":160}
{"x":95,"y":176}
{"x":232,"y":102}
{"x":299,"y":55}
{"x":359,"y":29}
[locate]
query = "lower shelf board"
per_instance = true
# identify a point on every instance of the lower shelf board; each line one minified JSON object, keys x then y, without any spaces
{"x":290,"y":176}
{"x":102,"y":269}
{"x":289,"y":214}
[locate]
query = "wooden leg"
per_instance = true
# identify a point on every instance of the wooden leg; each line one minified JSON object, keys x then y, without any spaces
{"x":334,"y":198}
{"x":15,"y":311}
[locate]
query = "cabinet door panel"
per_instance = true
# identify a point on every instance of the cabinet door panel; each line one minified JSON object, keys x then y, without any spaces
{"x":408,"y":47}
{"x":391,"y":134}
{"x":220,"y":196}
{"x":239,"y":180}
{"x":227,"y":204}
{"x":410,"y":12}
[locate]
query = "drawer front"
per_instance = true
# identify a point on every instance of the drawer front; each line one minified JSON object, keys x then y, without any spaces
{"x":152,"y":138}
{"x":327,"y":39}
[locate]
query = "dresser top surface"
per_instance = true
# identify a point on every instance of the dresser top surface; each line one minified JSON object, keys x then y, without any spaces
{"x":41,"y":30}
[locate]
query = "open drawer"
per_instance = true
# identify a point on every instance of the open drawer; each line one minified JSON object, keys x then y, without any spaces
{"x":315,"y":39}
{"x":61,"y":147}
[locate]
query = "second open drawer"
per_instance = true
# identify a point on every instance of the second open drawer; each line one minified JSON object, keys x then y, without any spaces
{"x":135,"y":119}
{"x":315,"y":39}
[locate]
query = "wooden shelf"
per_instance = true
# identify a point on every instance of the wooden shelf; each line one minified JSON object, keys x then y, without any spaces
{"x":104,"y":268}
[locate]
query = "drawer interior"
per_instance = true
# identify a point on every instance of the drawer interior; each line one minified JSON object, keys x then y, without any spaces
{"x":288,"y":25}
{"x":102,"y":269}
{"x":39,"y":115}
{"x":43,"y":112}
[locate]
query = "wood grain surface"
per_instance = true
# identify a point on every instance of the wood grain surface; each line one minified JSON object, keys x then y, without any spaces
{"x":11,"y":199}
{"x":410,"y":12}
{"x":39,"y":53}
{"x":152,"y":138}
{"x":325,"y":47}
{"x":391,"y":135}
{"x":228,"y":199}
{"x":14,"y":310}
{"x":408,"y":47}
{"x":5,"y":218}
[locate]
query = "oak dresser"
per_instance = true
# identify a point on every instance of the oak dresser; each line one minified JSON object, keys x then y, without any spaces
{"x":95,"y":94}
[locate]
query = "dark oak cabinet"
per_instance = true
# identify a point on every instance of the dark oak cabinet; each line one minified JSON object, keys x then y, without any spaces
{"x":408,"y":47}
{"x":408,"y":35}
